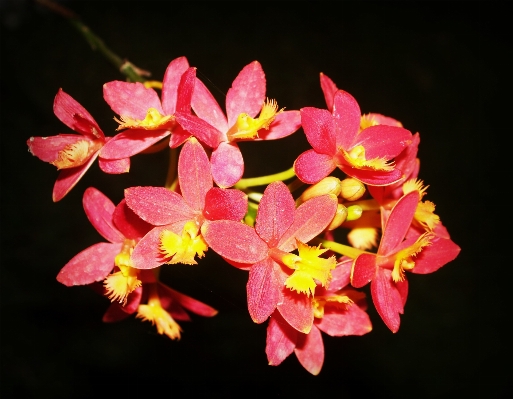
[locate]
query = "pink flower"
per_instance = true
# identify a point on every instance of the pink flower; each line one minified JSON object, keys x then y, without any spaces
{"x":265,"y":250}
{"x":177,"y":237}
{"x":146,"y":118}
{"x":244,"y":101}
{"x":73,"y":154}
{"x":339,"y":311}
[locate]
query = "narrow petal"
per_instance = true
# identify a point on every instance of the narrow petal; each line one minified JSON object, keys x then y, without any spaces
{"x":382,"y":141}
{"x":185,"y":90}
{"x":247,"y":93}
{"x":319,"y":128}
{"x":439,"y":253}
{"x":194,"y":174}
{"x":178,"y":137}
{"x":311,"y":167}
{"x":387,"y":299}
{"x":329,"y":89}
{"x":339,"y":322}
{"x":47,"y":148}
{"x":68,"y":178}
{"x":200,"y":129}
{"x":373,"y":177}
{"x":91,"y":265}
{"x":114,"y":313}
{"x":284,"y":124}
{"x":275,"y":213}
{"x":263,"y":290}
{"x":207,"y":108}
{"x":310,"y":351}
{"x":364,"y":270}
{"x":158,"y":205}
{"x":297,"y":310}
{"x":114,"y":166}
{"x":227,"y":164}
{"x":131,"y":142}
{"x":346,"y":114}
{"x":281,"y":340}
{"x":128,"y":223}
{"x":131,"y":99}
{"x":188,"y":302}
{"x":99,"y":210}
{"x":170,"y":83}
{"x":225,"y":203}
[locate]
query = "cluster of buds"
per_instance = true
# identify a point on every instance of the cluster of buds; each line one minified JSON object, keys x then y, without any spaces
{"x":301,"y":280}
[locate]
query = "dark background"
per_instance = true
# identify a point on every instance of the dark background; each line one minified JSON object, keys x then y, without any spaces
{"x":442,"y":68}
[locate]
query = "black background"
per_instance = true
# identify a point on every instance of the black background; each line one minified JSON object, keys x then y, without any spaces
{"x":442,"y":68}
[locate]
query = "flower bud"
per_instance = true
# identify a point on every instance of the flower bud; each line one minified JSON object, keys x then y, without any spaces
{"x":339,"y":218}
{"x":354,"y":212}
{"x":351,"y":189}
{"x":328,"y":185}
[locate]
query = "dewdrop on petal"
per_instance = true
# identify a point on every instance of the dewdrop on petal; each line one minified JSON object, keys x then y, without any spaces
{"x":328,"y":185}
{"x":339,"y":218}
{"x":351,"y":189}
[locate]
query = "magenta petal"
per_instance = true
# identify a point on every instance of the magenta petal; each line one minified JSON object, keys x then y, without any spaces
{"x":128,"y":223}
{"x":158,"y":205}
{"x":364,"y":270}
{"x":194,"y":174}
{"x":146,"y":254}
{"x":207,"y":108}
{"x":340,"y":276}
{"x":346,"y":114}
{"x":440,"y":252}
{"x":283,"y":125}
{"x":234,"y":240}
{"x":114,"y":166}
{"x":178,"y":137}
{"x":66,"y":108}
{"x":329,"y":89}
{"x":91,"y":265}
{"x":387,"y":299}
{"x":188,"y":302}
{"x":131,"y":142}
{"x":47,"y":148}
{"x":202,"y":130}
{"x":263,"y":290}
{"x":174,"y":72}
{"x":319,"y":129}
{"x":99,"y":210}
{"x":68,"y":178}
{"x":131,"y":99}
{"x":225,"y":203}
{"x":227,"y":164}
{"x":281,"y":340}
{"x":114,"y":313}
{"x":372,"y":177}
{"x":311,"y":167}
{"x":185,"y":90}
{"x":310,"y":351}
{"x":310,"y":219}
{"x":382,"y":141}
{"x":247,"y":93}
{"x":339,"y":322}
{"x":275,"y":213}
{"x":398,"y":223}
{"x":297,"y":310}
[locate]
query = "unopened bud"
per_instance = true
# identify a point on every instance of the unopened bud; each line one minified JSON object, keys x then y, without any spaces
{"x":354,"y":212}
{"x":339,"y":218}
{"x":351,"y":189}
{"x":328,"y":185}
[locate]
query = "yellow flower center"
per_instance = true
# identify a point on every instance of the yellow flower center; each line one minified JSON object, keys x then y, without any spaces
{"x":153,"y":120}
{"x":183,"y":249}
{"x":367,"y":121}
{"x":247,"y":127}
{"x":404,"y":258}
{"x":425,"y":212}
{"x":356,"y":158}
{"x":76,"y":154}
{"x":318,"y":302}
{"x":159,"y":317}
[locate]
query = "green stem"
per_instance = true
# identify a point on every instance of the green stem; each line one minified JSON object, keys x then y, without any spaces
{"x":340,"y":248}
{"x":264,"y":180}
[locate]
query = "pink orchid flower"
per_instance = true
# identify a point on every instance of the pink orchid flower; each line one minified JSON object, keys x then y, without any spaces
{"x":339,"y":311}
{"x":146,"y":118}
{"x":176,"y":237}
{"x":244,"y":101}
{"x":73,"y":154}
{"x":280,"y":228}
{"x":420,"y":253}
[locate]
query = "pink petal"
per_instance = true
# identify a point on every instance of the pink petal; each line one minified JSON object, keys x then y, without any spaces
{"x":398,"y":223}
{"x":297,"y":310}
{"x":158,"y":205}
{"x":320,"y":130}
{"x":340,"y":276}
{"x":99,"y":210}
{"x":68,"y":178}
{"x":339,"y":322}
{"x":382,"y":141}
{"x":263,"y":290}
{"x":194,"y":174}
{"x":75,"y":116}
{"x":346,"y":114}
{"x":283,"y":125}
{"x":131,"y":99}
{"x":114,"y":313}
{"x":178,"y":137}
{"x":387,"y":299}
{"x":310,"y":351}
{"x":275,"y":213}
{"x":440,"y":252}
{"x":207,"y":108}
{"x":188,"y":302}
{"x":372,"y":177}
{"x":281,"y":340}
{"x":185,"y":90}
{"x":364,"y":270}
{"x":229,"y":204}
{"x":310,"y":219}
{"x":234,"y":240}
{"x":170,"y":83}
{"x":114,"y":166}
{"x":329,"y":89}
{"x":91,"y":265}
{"x":200,"y":129}
{"x":128,"y":223}
{"x":131,"y":142}
{"x":227,"y":164}
{"x":247,"y":93}
{"x":47,"y":148}
{"x":311,"y":167}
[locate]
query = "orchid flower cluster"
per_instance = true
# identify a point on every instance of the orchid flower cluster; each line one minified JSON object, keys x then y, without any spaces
{"x":301,"y":280}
